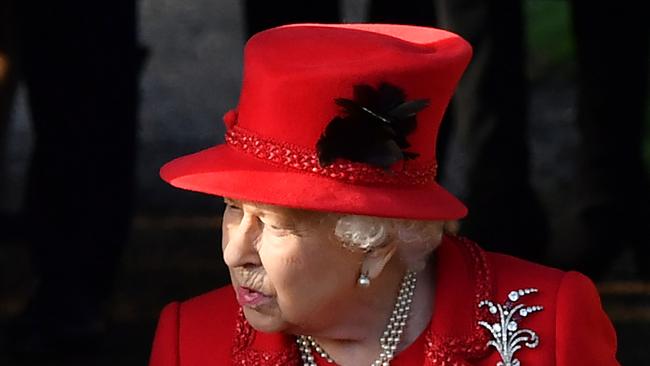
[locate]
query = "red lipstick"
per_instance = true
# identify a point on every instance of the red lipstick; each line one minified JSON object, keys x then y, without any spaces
{"x":248,"y":297}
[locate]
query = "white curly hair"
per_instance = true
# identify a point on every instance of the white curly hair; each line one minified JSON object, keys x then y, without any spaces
{"x":415,"y":239}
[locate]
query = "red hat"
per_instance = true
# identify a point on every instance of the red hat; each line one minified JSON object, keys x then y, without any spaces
{"x":336,"y":118}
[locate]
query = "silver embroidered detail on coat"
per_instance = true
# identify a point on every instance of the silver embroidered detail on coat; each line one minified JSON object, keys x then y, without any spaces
{"x":507,"y":336}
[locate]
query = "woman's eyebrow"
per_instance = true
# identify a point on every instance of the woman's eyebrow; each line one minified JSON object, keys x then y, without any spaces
{"x":287,"y":217}
{"x":283,"y":217}
{"x":230,"y":201}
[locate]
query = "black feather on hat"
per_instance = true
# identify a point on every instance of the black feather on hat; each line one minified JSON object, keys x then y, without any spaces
{"x":372,"y":129}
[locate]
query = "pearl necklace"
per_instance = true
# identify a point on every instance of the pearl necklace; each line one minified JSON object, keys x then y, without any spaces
{"x":389,"y":340}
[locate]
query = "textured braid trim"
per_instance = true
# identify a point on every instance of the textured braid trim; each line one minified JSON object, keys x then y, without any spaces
{"x":299,"y":158}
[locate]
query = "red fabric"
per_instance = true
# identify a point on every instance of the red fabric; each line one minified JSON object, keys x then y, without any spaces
{"x":580,"y":319}
{"x":292,"y":76}
{"x":573,"y":328}
{"x":165,"y":345}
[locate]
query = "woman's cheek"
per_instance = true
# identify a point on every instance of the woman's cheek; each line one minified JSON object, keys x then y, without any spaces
{"x":288,"y":271}
{"x":224,"y":239}
{"x":225,"y":233}
{"x":292,"y":261}
{"x":280,"y":262}
{"x":280,"y":251}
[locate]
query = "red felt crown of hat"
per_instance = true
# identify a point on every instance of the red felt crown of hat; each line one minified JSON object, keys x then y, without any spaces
{"x":332,"y":118}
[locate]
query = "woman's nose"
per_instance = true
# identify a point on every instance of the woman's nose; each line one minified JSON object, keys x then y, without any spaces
{"x":240,"y":242}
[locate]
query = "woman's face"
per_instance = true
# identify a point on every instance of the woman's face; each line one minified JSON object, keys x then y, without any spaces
{"x":289,"y":272}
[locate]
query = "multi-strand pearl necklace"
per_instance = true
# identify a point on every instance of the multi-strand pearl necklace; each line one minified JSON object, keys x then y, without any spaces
{"x":389,"y":340}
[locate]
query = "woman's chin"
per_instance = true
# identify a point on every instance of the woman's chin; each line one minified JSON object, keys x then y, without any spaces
{"x":264,"y":319}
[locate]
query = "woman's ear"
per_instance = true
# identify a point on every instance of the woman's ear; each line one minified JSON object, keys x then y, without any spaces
{"x":375,"y":261}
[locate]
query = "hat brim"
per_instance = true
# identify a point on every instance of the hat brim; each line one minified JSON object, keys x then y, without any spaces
{"x":224,"y":171}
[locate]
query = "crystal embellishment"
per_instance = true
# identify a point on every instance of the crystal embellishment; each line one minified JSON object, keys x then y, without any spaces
{"x":507,"y":336}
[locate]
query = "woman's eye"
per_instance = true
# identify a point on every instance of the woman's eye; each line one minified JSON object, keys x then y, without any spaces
{"x":271,"y":226}
{"x":233,"y":211}
{"x":276,"y":229}
{"x":232,"y":206}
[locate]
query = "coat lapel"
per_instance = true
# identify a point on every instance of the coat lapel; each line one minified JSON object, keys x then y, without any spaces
{"x":463,"y":279}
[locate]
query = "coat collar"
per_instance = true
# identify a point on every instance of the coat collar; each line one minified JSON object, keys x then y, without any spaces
{"x":463,"y":279}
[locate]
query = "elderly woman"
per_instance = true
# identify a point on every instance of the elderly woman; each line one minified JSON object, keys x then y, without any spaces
{"x":335,"y":231}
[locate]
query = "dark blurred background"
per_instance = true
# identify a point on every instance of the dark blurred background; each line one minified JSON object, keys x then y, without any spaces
{"x":189,"y":54}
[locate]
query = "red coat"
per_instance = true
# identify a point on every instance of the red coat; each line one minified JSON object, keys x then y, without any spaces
{"x":572,"y":327}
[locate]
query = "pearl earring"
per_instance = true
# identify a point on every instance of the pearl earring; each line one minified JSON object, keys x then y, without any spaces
{"x":364,"y":280}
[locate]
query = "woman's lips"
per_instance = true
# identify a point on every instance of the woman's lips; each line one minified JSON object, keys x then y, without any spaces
{"x":248,"y":297}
